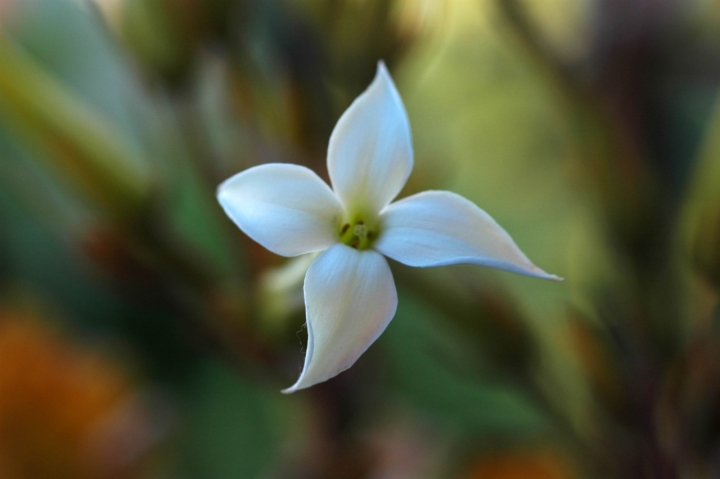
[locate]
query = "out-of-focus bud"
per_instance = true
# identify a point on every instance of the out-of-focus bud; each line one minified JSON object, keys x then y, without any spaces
{"x":280,"y":293}
{"x":64,"y":411}
{"x":77,"y":141}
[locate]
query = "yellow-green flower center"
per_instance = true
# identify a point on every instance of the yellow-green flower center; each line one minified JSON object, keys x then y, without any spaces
{"x":358,"y":234}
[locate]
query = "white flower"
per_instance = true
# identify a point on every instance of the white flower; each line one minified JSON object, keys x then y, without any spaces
{"x":350,"y":294}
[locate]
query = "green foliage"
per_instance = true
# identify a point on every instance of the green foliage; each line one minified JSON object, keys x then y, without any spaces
{"x":600,"y":158}
{"x":435,"y":367}
{"x":232,"y":428}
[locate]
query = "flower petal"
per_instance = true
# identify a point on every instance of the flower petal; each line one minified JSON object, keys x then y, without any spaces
{"x":350,"y":298}
{"x":286,"y":208}
{"x":436,"y":228}
{"x":370,"y":154}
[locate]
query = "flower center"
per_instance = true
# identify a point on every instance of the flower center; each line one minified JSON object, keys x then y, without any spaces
{"x":357,"y":234}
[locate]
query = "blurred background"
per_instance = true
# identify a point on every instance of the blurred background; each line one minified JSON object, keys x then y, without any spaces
{"x":143,"y":336}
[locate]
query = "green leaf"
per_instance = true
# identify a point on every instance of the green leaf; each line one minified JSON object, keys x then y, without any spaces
{"x":435,"y":368}
{"x":78,"y":141}
{"x":231,"y":432}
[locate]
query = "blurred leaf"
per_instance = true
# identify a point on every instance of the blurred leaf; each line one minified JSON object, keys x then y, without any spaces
{"x":496,"y":120}
{"x":435,"y":368}
{"x":62,"y":278}
{"x":77,"y":141}
{"x":148,"y":28}
{"x":231,"y":433}
{"x":35,"y":190}
{"x":71,"y":44}
{"x":190,"y":207}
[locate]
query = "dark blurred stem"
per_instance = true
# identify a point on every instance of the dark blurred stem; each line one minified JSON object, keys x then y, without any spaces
{"x":535,"y":47}
{"x":593,"y":462}
{"x":192,"y":292}
{"x":228,"y":335}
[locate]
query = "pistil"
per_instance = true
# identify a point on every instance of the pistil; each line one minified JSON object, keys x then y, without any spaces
{"x":357,"y":234}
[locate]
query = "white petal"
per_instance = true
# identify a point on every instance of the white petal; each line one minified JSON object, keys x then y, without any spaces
{"x":350,"y":298}
{"x":436,"y":228}
{"x":370,"y":154}
{"x":286,"y":208}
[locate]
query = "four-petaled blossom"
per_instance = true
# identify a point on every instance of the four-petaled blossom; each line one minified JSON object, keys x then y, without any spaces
{"x":350,"y":294}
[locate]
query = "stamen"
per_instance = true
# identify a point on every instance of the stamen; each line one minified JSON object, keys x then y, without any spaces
{"x":360,"y":230}
{"x":357,"y":234}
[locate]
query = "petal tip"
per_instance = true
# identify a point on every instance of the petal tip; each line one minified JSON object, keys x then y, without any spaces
{"x":299,"y":385}
{"x":222,"y":187}
{"x":383,"y":74}
{"x":542,"y":274}
{"x":289,"y":390}
{"x":382,"y":68}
